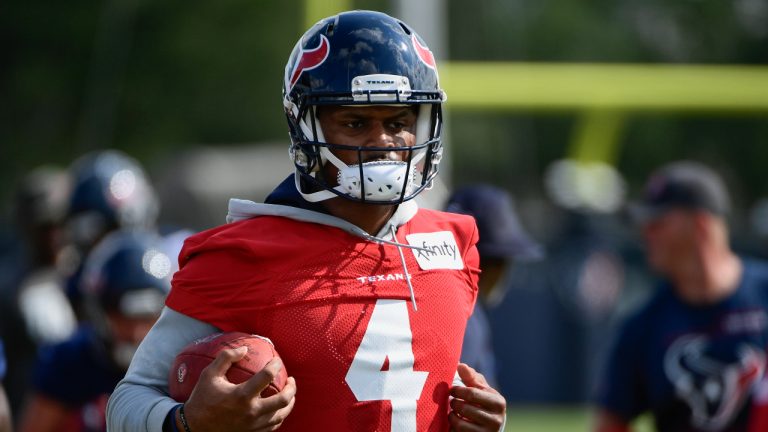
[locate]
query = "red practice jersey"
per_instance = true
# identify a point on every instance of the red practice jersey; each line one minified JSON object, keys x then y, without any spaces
{"x":339,"y":312}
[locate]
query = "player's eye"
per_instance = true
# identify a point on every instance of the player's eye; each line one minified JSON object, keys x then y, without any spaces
{"x":354,"y":124}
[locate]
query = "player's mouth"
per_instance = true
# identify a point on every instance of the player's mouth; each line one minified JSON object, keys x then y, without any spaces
{"x":383,"y":157}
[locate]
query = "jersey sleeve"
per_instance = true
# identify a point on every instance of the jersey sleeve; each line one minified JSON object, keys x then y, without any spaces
{"x":211,"y":278}
{"x":472,"y":258}
{"x":465,"y":229}
{"x":621,"y":389}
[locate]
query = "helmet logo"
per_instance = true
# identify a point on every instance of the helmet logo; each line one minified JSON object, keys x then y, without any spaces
{"x":425,"y":55}
{"x":310,"y":59}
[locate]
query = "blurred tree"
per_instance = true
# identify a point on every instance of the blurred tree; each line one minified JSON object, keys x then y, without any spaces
{"x":153,"y":77}
{"x":189,"y":73}
{"x":515,"y":149}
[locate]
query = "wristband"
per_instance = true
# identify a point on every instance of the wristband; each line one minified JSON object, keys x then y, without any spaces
{"x":169,"y":424}
{"x":184,"y":419}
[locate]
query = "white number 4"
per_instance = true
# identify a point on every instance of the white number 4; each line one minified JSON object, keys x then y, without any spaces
{"x":388,"y":336}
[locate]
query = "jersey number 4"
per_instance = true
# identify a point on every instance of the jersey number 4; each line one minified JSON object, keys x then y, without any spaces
{"x":388,"y":340}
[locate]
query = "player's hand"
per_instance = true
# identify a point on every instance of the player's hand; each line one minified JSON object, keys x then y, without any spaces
{"x":476,"y":407}
{"x":219,"y":405}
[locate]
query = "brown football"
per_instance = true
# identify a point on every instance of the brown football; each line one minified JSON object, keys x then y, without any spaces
{"x":191,"y":361}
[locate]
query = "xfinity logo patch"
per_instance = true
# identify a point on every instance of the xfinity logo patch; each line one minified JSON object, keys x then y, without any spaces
{"x":438,"y":250}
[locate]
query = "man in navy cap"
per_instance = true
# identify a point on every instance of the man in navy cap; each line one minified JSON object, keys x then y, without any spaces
{"x":694,"y":353}
{"x":502,"y":240}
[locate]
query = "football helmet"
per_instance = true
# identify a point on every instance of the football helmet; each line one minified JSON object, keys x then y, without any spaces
{"x":362,"y":58}
{"x":126,"y":275}
{"x":110,"y":190}
{"x":129,"y":273}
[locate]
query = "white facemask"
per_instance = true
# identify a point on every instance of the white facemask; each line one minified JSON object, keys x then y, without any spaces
{"x":383,"y":180}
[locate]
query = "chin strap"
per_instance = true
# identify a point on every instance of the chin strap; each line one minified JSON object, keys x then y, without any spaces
{"x":313,"y":196}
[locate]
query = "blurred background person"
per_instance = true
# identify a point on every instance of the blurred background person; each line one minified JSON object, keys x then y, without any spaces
{"x":110,"y":191}
{"x":34,"y":310}
{"x":503,"y":241}
{"x":692,"y":355}
{"x":5,"y":409}
{"x":124,"y":284}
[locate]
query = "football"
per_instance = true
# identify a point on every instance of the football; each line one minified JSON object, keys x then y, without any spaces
{"x":191,"y":361}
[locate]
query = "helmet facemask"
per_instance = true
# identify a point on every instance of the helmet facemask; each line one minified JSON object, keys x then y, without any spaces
{"x":368,"y":181}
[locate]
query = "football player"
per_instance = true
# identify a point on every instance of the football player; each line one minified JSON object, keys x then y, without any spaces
{"x":125,"y":281}
{"x":110,"y":191}
{"x":365,"y":295}
{"x":693,"y":354}
{"x":34,"y":310}
{"x":503,"y":243}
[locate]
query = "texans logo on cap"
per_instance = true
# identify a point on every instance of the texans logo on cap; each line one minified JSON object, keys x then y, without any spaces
{"x":310,"y":59}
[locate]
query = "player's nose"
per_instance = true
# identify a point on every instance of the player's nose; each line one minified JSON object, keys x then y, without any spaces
{"x":380,"y":136}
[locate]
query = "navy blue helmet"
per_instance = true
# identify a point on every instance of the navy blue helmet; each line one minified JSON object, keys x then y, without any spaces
{"x":128,"y":273}
{"x":362,"y":58}
{"x":110,"y":190}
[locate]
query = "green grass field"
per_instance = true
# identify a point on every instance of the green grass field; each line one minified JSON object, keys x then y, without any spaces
{"x":558,"y":419}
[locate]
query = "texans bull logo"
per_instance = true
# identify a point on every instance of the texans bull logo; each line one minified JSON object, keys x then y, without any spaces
{"x":714,"y":390}
{"x":424,"y":54}
{"x":310,"y":59}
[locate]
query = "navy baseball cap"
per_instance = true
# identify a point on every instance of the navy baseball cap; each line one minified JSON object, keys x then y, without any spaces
{"x":684,"y":184}
{"x":501,"y":234}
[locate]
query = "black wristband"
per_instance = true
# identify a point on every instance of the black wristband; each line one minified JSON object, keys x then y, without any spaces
{"x":184,"y":419}
{"x":169,"y":424}
{"x":170,"y":420}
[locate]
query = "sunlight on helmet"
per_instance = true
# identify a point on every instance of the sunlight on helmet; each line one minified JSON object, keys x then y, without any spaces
{"x":156,"y":263}
{"x":123,"y":184}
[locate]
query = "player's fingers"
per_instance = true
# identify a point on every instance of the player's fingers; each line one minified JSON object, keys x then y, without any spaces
{"x":223,"y":361}
{"x":279,"y":400}
{"x":459,"y":424}
{"x":273,"y":420}
{"x":260,"y":381}
{"x":471,"y":377}
{"x":475,"y":414}
{"x":487,"y":399}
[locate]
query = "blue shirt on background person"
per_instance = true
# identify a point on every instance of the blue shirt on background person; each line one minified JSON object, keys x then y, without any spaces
{"x":694,"y":355}
{"x":691,"y":365}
